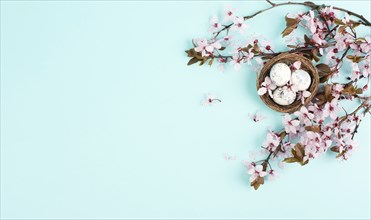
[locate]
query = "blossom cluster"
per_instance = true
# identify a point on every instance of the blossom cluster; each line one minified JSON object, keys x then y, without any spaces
{"x":331,"y":41}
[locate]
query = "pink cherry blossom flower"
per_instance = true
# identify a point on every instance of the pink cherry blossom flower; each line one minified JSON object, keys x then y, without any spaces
{"x":329,"y":14}
{"x":296,"y":65}
{"x":302,"y":95}
{"x":346,"y":19}
{"x":229,"y":14}
{"x":266,"y":46}
{"x":310,"y":153}
{"x":281,"y":164}
{"x":318,"y":40}
{"x":204,"y":48}
{"x":272,"y":175}
{"x":236,"y":62}
{"x":239,"y":25}
{"x":271,"y":142}
{"x":210,"y":100}
{"x":215,"y":25}
{"x":291,"y":125}
{"x":336,"y":90}
{"x":366,"y":46}
{"x":356,"y":118}
{"x":365,"y":69}
{"x":349,"y":146}
{"x":207,"y":48}
{"x":226,"y":40}
{"x":221,"y":67}
{"x":331,"y":55}
{"x":342,"y":41}
{"x":249,"y":56}
{"x":356,"y":73}
{"x":267,"y":86}
{"x":228,"y":157}
{"x":317,"y":112}
{"x":304,"y":116}
{"x":256,"y":171}
{"x":311,"y":23}
{"x":248,"y":165}
{"x":331,"y":109}
{"x":256,"y":117}
{"x":347,"y":128}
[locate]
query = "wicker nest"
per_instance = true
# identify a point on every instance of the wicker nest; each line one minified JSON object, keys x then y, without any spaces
{"x":289,"y":58}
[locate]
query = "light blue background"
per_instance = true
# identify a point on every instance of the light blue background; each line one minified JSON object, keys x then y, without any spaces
{"x":100,"y":118}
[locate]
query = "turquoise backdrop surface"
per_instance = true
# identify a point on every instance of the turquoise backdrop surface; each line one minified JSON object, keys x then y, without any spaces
{"x":101,"y":118}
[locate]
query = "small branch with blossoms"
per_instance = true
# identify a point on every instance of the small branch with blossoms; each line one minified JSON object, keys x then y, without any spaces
{"x":331,"y":41}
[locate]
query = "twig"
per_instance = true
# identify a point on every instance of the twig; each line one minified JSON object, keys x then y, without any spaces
{"x":311,"y":5}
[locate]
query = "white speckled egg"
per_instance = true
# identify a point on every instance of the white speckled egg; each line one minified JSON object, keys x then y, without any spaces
{"x":280,"y":74}
{"x":284,"y":96}
{"x":300,"y":80}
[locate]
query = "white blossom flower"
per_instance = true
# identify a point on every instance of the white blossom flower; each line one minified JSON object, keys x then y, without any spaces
{"x":236,"y":62}
{"x":331,"y":109}
{"x":271,"y":142}
{"x":304,"y":115}
{"x":272,"y":175}
{"x":239,"y":25}
{"x":215,"y":25}
{"x":267,"y":86}
{"x":256,"y":171}
{"x":210,"y":100}
{"x":229,"y":14}
{"x":256,"y":117}
{"x":291,"y":125}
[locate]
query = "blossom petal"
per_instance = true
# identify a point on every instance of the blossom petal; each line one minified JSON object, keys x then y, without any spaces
{"x":262,"y":91}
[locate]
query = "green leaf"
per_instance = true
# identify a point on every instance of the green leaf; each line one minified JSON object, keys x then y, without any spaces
{"x":291,"y":160}
{"x":291,"y":21}
{"x":359,"y":91}
{"x":287,"y":31}
{"x":304,"y":163}
{"x":339,"y":22}
{"x":256,"y":48}
{"x":355,"y":59}
{"x":211,"y":62}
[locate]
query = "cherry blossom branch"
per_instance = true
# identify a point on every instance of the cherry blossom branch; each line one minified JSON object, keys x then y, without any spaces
{"x":363,"y":20}
{"x":300,"y":49}
{"x":316,"y":126}
{"x":365,"y":104}
{"x":311,"y":5}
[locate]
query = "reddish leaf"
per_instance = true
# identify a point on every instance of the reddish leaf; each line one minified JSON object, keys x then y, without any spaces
{"x":323,"y":69}
{"x":335,"y":149}
{"x":192,"y":61}
{"x":257,"y":182}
